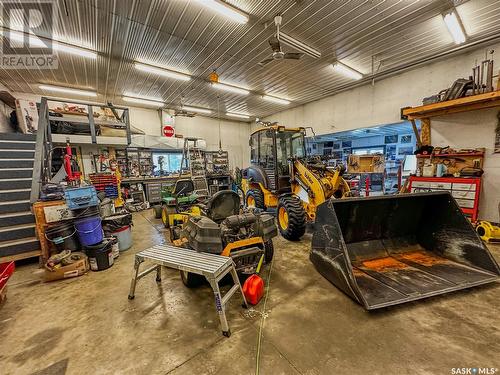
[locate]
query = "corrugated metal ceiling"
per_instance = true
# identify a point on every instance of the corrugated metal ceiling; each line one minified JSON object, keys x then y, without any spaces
{"x":187,"y":36}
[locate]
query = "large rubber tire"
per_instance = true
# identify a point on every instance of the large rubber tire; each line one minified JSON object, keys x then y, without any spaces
{"x":268,"y":251}
{"x":291,"y":217}
{"x":157,"y":209}
{"x":254,"y":198}
{"x":191,"y":280}
{"x":166,"y":211}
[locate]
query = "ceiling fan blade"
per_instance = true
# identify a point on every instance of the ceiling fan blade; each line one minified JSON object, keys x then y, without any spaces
{"x":264,"y":62}
{"x":293,"y":55}
{"x":275,"y":44}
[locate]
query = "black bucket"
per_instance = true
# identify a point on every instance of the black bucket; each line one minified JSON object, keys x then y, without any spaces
{"x":64,"y":237}
{"x":100,"y":255}
{"x":115,"y":222}
{"x":387,"y":250}
{"x":86,"y":212}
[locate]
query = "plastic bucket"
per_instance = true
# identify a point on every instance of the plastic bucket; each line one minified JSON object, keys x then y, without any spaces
{"x":89,"y":230}
{"x":86,"y":212}
{"x":124,"y":237}
{"x":100,"y":255}
{"x":115,"y":249}
{"x":64,"y":237}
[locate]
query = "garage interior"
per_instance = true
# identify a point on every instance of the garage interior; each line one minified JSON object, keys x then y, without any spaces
{"x":238,"y":186}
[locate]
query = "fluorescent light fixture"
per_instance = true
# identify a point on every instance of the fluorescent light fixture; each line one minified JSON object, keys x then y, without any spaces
{"x":67,"y":90}
{"x":162,"y":72}
{"x":36,"y":42}
{"x":276,"y":100}
{"x":146,"y":100}
{"x":74,"y":50}
{"x":297,"y":44}
{"x":230,"y":88}
{"x":454,"y":26}
{"x":225,"y":10}
{"x":237,"y":115}
{"x":347,"y":70}
{"x":195,"y":109}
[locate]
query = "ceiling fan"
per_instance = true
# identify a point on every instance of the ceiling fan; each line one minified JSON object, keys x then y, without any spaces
{"x":184,"y":113}
{"x":275,"y":44}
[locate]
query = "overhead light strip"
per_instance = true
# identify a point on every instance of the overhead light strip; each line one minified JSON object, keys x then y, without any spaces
{"x":297,"y":44}
{"x":230,"y":88}
{"x":196,"y":109}
{"x":162,"y":72}
{"x":346,"y":70}
{"x":68,"y":90}
{"x":226,"y":10}
{"x":237,"y":115}
{"x":36,"y":42}
{"x":146,"y":100}
{"x":274,"y":99}
{"x":455,"y":27}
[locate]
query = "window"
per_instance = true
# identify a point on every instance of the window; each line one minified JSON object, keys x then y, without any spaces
{"x":369,"y":150}
{"x":254,"y":148}
{"x":266,"y":154}
{"x":166,"y":162}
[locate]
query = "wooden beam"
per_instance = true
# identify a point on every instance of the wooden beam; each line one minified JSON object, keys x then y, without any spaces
{"x":417,"y":135}
{"x":425,"y":131}
{"x":469,"y":103}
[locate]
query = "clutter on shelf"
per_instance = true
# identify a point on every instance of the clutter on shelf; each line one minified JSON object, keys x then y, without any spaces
{"x":480,"y":82}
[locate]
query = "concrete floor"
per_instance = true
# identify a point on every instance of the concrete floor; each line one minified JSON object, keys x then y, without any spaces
{"x":87,"y":325}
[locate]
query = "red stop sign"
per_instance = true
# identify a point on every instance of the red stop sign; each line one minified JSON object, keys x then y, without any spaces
{"x":168,"y":131}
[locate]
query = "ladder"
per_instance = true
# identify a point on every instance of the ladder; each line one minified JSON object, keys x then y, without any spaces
{"x":212,"y":266}
{"x":193,"y":160}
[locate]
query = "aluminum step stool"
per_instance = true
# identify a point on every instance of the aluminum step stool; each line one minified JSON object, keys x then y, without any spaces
{"x":213,"y":267}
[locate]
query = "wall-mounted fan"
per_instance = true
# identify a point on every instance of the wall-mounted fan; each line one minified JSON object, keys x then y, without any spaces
{"x":275,"y":44}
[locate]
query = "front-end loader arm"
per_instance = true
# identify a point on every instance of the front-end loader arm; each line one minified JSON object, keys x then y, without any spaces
{"x":314,"y":183}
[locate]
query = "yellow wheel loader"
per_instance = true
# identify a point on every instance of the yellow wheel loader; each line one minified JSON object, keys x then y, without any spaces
{"x":281,"y":176}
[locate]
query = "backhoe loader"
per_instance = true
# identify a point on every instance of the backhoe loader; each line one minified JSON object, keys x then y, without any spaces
{"x":281,"y":176}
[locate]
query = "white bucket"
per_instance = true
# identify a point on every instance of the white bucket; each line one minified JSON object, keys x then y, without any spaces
{"x":124,"y":237}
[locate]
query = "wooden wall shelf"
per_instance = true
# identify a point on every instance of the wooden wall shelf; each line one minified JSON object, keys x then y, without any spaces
{"x":468,"y":103}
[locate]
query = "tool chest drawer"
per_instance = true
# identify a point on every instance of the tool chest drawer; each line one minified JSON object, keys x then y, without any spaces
{"x":465,"y":203}
{"x":461,"y":186}
{"x":440,"y":185}
{"x":463,"y":194}
{"x":465,"y":191}
{"x":421,"y":184}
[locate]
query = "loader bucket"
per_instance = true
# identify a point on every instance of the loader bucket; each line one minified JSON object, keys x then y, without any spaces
{"x":383,"y":251}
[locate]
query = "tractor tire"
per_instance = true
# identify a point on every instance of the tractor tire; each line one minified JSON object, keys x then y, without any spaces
{"x":268,"y":251}
{"x":291,"y":218}
{"x":254,"y":198}
{"x":157,"y":209}
{"x":191,"y":280}
{"x":166,"y":211}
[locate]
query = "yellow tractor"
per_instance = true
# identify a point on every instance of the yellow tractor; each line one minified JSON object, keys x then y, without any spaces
{"x":281,"y":176}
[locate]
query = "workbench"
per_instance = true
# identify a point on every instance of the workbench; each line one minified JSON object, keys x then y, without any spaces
{"x":152,"y":186}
